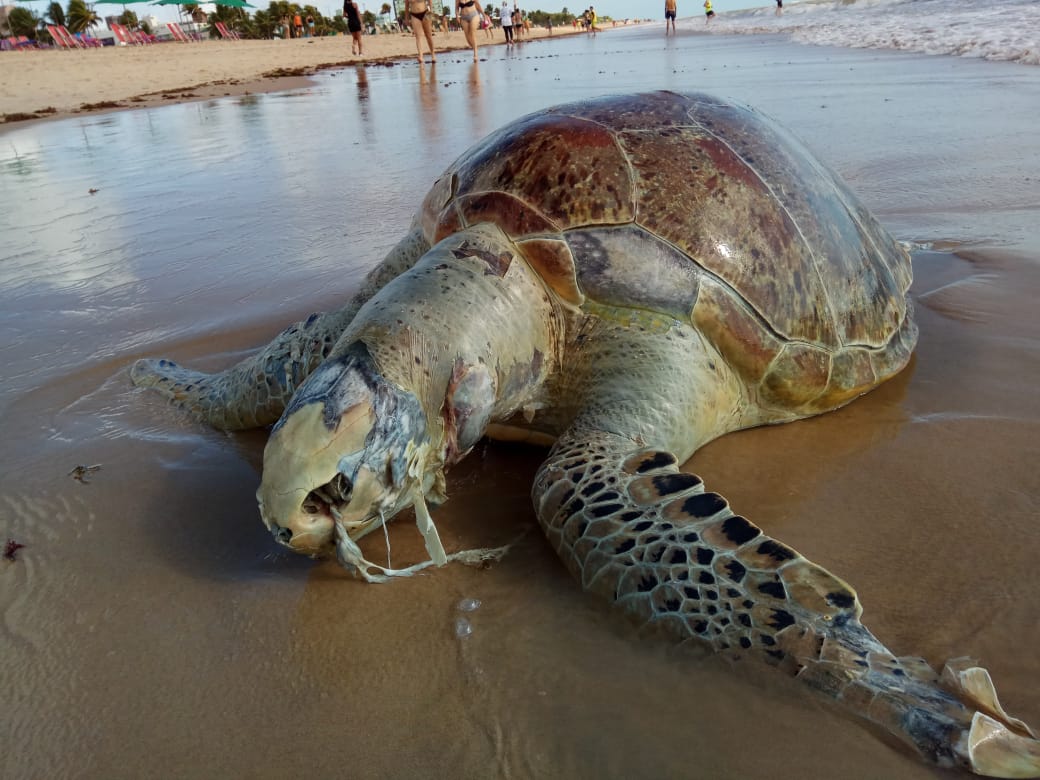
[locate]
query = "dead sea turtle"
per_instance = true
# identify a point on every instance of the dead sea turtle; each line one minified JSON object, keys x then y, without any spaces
{"x":625,"y":279}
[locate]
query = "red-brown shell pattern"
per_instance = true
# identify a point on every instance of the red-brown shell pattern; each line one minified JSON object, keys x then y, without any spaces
{"x":704,"y":210}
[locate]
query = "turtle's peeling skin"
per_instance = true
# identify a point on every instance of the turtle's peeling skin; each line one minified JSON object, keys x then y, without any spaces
{"x":624,"y":279}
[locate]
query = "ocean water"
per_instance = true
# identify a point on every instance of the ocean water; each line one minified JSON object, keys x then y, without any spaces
{"x":993,"y":30}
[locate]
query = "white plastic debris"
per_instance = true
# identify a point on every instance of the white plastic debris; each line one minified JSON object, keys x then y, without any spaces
{"x":468,"y":605}
{"x":350,"y":557}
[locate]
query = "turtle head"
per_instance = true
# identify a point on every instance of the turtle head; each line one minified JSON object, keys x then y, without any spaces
{"x":341,"y":460}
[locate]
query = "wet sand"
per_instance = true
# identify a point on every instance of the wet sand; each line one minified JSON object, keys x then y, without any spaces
{"x":151,"y":627}
{"x":52,"y":84}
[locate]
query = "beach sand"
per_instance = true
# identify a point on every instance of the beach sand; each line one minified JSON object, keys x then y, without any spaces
{"x":150,"y":625}
{"x":57,"y":83}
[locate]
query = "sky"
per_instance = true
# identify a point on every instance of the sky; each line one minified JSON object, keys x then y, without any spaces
{"x":618,"y":9}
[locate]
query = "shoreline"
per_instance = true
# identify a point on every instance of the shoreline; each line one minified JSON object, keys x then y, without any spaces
{"x":57,"y":84}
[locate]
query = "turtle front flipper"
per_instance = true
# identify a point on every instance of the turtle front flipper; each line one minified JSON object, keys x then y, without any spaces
{"x":254,"y":392}
{"x":633,"y":528}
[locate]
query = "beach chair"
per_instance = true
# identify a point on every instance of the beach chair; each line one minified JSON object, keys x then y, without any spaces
{"x":58,"y":38}
{"x":22,"y":43}
{"x":177,"y":33}
{"x":86,"y":42}
{"x":122,"y":34}
{"x":225,"y":33}
{"x":81,"y":40}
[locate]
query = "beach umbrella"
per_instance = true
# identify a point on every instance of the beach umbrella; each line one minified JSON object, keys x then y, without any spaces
{"x":231,"y":3}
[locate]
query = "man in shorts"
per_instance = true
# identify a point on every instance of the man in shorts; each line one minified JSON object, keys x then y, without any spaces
{"x":669,"y":15}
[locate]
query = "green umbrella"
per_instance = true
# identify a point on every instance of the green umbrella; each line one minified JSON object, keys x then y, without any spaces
{"x":231,"y":3}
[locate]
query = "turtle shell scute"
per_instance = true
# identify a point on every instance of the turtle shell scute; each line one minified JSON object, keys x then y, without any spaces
{"x":569,"y":170}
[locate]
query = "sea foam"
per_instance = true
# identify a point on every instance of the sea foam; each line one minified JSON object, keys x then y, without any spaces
{"x":994,"y":30}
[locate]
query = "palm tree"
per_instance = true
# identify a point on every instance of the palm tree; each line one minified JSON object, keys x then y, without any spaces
{"x":22,"y":21}
{"x":261,"y":25}
{"x":56,"y":13}
{"x":81,"y":16}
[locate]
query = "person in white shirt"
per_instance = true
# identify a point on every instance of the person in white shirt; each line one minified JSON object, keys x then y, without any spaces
{"x":507,"y":21}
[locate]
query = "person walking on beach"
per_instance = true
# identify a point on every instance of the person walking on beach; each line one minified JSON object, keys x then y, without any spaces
{"x":420,"y":18}
{"x":298,"y":25}
{"x":779,"y":7}
{"x":670,"y":9}
{"x":506,"y":17}
{"x":708,"y":12}
{"x":353,"y":15}
{"x":469,"y":13}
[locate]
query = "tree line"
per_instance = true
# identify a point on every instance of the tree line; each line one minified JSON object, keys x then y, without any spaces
{"x":79,"y":16}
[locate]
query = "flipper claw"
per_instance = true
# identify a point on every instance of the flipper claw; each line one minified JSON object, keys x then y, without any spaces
{"x":974,"y":685}
{"x":993,"y":750}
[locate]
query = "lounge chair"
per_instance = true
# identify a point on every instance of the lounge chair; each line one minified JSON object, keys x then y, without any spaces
{"x":61,"y":37}
{"x":225,"y":33}
{"x":123,"y":34}
{"x":177,"y":33}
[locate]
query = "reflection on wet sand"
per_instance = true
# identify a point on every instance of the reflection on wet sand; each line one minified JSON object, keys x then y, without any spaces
{"x":429,"y":101}
{"x":475,"y":102}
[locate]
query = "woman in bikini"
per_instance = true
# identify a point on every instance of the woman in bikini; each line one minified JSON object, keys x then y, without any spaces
{"x":469,"y":13}
{"x":353,"y":15}
{"x":420,"y":17}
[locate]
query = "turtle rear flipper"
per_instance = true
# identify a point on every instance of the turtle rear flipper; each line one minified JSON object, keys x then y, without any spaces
{"x":255,"y":391}
{"x":674,"y":557}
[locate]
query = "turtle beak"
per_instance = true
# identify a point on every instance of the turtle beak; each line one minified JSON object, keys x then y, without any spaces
{"x":308,"y":481}
{"x":337,"y":461}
